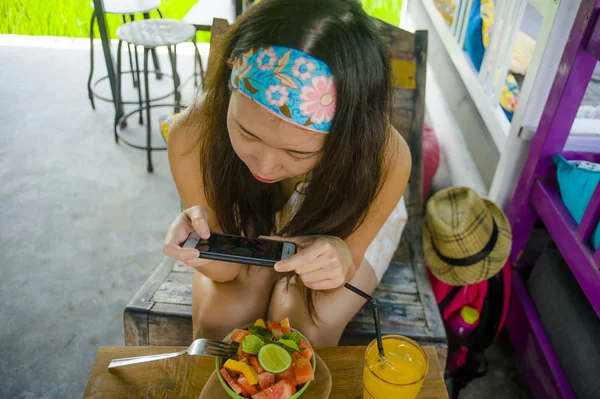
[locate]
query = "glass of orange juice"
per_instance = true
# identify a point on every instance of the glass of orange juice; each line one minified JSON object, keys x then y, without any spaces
{"x":400,"y":375}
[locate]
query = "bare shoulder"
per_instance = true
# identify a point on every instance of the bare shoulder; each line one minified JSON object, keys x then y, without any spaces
{"x":184,"y":158}
{"x":398,"y":162}
{"x":185,"y":133}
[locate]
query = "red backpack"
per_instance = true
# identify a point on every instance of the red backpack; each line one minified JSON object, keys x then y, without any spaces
{"x":491,"y":299}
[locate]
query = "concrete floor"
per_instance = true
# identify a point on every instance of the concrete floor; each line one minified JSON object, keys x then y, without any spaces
{"x":83,"y":223}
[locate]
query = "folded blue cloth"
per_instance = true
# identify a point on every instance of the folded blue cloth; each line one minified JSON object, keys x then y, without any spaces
{"x":474,"y":37}
{"x":577,"y":181}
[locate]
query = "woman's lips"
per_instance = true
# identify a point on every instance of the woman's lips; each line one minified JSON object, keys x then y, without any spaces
{"x":263,"y":180}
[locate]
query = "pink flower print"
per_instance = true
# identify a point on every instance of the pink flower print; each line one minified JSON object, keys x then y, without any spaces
{"x":277,"y":95}
{"x":318,"y":100}
{"x":303,"y":68}
{"x":266,"y":59}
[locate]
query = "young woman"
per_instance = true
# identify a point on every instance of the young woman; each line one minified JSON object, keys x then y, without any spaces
{"x":292,"y":138}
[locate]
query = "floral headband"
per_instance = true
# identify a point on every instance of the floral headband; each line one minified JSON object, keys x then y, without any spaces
{"x":288,"y":83}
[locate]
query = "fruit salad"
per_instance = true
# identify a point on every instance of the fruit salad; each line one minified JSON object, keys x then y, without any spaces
{"x":273,"y":362}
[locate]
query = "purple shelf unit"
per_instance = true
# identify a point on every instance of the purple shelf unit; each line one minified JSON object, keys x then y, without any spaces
{"x":537,"y":196}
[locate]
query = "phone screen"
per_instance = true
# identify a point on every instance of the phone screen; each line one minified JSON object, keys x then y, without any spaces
{"x":244,"y":246}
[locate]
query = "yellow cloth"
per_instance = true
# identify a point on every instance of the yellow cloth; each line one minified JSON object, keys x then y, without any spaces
{"x":524,"y":44}
{"x":524,"y":48}
{"x":487,"y":18}
{"x":510,"y":94}
{"x":447,"y":8}
{"x":165,"y":125}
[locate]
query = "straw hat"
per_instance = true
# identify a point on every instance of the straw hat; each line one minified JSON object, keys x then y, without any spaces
{"x":466,"y":239}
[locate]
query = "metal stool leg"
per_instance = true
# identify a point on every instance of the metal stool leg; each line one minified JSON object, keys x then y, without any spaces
{"x":199,"y":60}
{"x":176,"y":74}
{"x":117,"y":98}
{"x":195,"y":64}
{"x":159,"y":75}
{"x":175,"y":80}
{"x":89,"y":83}
{"x":148,"y":128}
{"x":135,"y":83}
{"x":137,"y":69}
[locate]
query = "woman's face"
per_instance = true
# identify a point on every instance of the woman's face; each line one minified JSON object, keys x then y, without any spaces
{"x":273,"y":149}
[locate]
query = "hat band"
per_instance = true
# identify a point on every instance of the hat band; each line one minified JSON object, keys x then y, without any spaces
{"x":471,"y":260}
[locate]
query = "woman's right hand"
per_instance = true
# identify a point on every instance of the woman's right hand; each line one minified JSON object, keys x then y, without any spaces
{"x":191,"y":219}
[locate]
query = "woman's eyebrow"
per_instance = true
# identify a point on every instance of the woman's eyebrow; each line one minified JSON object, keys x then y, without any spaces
{"x":249,"y":133}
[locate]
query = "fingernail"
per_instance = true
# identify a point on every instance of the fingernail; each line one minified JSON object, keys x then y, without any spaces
{"x":205,"y":231}
{"x":281,"y":267}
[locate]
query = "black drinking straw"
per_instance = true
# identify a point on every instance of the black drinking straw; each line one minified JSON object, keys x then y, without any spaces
{"x":375,"y":315}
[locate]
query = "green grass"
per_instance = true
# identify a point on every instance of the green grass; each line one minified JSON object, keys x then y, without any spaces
{"x":68,"y":17}
{"x":386,"y":10}
{"x":71,"y":18}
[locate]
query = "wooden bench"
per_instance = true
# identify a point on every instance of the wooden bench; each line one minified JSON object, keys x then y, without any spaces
{"x":160,"y":312}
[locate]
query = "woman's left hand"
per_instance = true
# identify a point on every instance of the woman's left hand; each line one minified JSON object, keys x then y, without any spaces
{"x":321,"y":262}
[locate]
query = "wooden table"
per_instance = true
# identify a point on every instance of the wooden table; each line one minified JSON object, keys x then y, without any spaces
{"x":185,"y":376}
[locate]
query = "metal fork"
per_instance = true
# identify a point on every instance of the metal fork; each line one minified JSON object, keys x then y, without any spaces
{"x":200,"y":347}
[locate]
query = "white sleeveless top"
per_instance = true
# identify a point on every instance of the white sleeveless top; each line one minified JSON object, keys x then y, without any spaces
{"x":381,"y":250}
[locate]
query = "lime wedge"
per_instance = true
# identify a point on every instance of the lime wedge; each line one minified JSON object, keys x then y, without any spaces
{"x":274,"y":359}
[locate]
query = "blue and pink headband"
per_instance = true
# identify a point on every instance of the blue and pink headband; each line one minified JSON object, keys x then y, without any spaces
{"x":288,"y":83}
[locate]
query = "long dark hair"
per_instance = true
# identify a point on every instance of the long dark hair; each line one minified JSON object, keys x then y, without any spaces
{"x":351,"y":170}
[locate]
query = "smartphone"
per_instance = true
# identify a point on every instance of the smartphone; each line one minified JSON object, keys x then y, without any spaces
{"x":237,"y":249}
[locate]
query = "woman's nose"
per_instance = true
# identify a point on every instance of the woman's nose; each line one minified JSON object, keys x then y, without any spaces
{"x":267,"y":164}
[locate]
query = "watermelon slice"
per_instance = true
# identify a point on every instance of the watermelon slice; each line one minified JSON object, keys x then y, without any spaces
{"x":232,"y":384}
{"x":238,"y":335}
{"x":244,"y":393}
{"x":303,"y":370}
{"x":296,"y":356}
{"x":265,"y":380}
{"x":256,"y":364}
{"x":261,"y":395}
{"x":308,"y":352}
{"x":275,"y":328}
{"x":283,"y":389}
{"x":245,"y":385}
{"x":287,"y":375}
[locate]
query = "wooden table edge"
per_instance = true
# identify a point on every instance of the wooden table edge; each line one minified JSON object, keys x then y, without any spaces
{"x":100,"y":366}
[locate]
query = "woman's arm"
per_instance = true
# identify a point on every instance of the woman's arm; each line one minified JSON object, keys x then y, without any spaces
{"x":398,"y":164}
{"x":184,"y":160}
